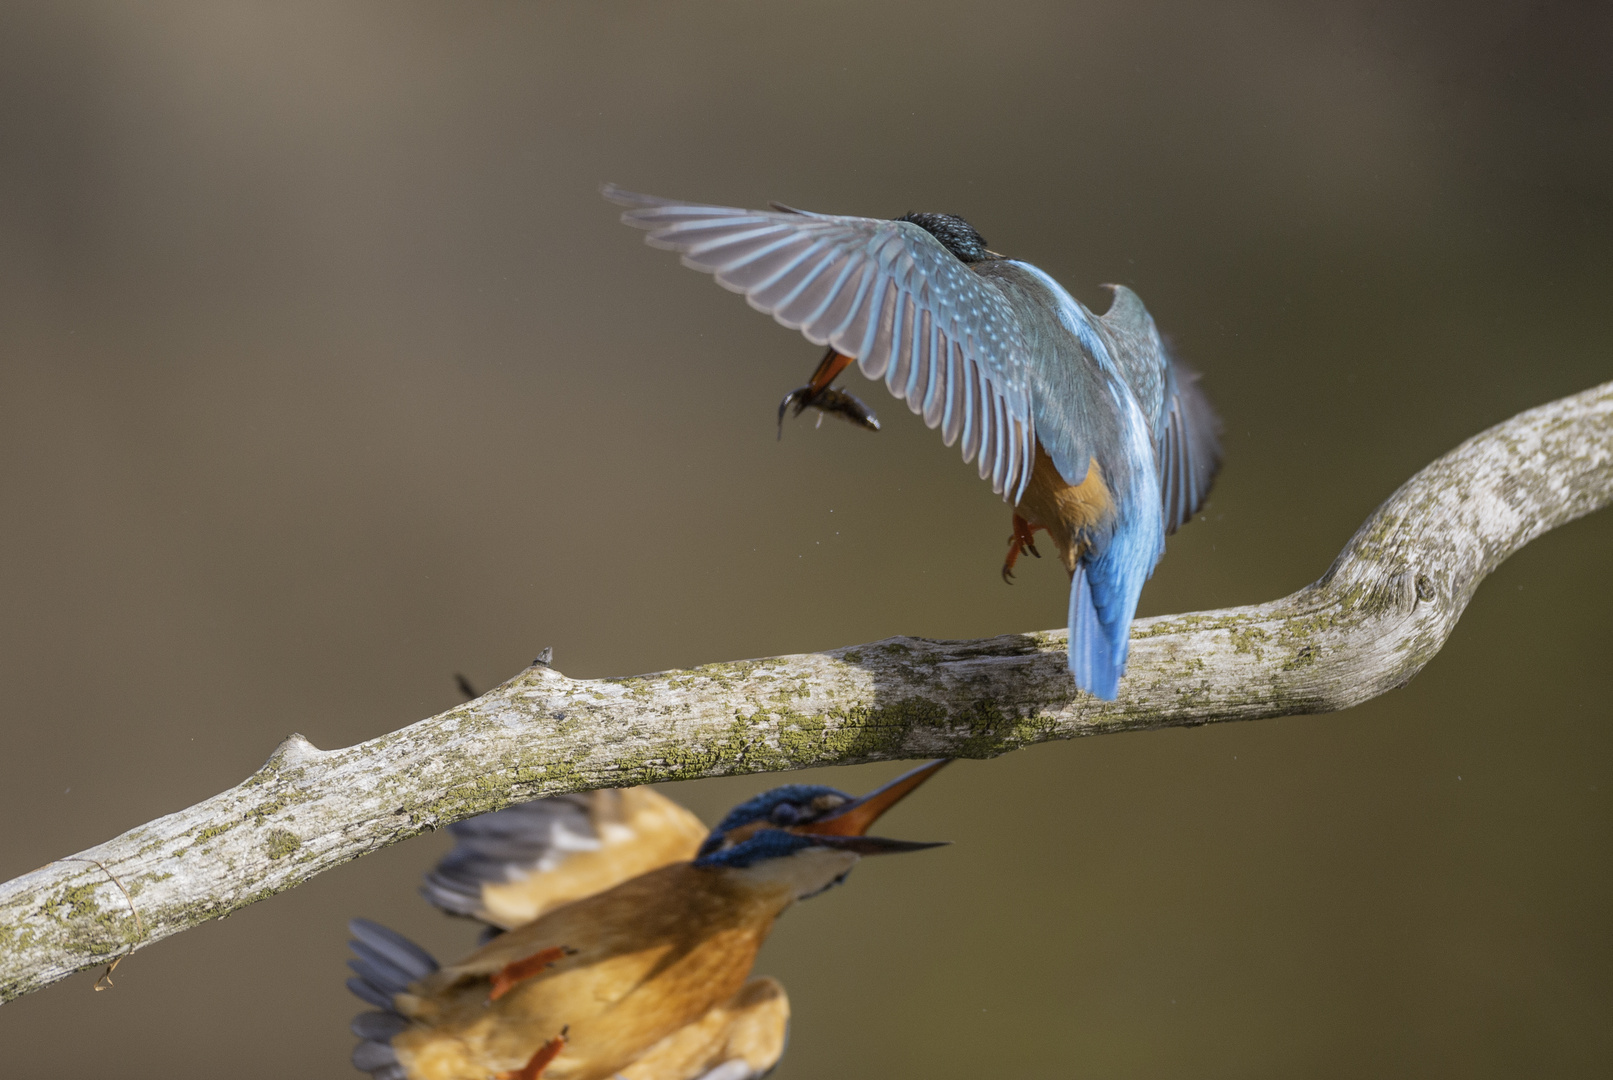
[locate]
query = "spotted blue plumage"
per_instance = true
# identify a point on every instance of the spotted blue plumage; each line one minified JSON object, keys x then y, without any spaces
{"x":761,"y":807}
{"x":783,"y":805}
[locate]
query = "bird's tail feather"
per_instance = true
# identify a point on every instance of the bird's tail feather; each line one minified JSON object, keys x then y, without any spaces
{"x":1092,"y":661}
{"x":386,"y":963}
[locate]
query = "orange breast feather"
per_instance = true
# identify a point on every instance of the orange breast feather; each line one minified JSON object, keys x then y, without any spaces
{"x":1064,"y":509}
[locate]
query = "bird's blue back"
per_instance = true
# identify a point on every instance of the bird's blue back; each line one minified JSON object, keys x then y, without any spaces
{"x":1097,"y":394}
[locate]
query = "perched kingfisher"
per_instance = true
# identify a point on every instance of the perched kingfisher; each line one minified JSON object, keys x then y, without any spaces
{"x":1083,"y":422}
{"x":647,"y":978}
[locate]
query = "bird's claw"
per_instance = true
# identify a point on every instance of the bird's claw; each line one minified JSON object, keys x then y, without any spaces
{"x":799,"y":397}
{"x":1020,"y":542}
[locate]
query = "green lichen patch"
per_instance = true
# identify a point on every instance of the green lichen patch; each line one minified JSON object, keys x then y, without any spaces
{"x":281,"y":843}
{"x":12,"y":940}
{"x":1249,"y":639}
{"x":215,"y":830}
{"x":1166,"y":626}
{"x":725,"y":675}
{"x":995,"y":730}
{"x":1305,"y":657}
{"x":75,"y":902}
{"x":270,"y":807}
{"x":138,"y":884}
{"x":79,"y":904}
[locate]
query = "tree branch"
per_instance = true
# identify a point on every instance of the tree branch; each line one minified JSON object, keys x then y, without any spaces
{"x":1374,"y":619}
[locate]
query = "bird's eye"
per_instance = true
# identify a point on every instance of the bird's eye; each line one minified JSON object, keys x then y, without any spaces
{"x":785,"y":814}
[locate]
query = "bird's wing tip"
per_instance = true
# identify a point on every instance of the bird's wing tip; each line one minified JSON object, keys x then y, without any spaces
{"x":636,"y":199}
{"x":786,"y":208}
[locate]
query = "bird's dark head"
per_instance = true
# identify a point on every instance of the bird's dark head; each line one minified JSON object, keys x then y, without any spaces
{"x":799,"y":818}
{"x":955,"y":234}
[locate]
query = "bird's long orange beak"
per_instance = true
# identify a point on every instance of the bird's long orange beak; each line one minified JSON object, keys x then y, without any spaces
{"x":854,"y":818}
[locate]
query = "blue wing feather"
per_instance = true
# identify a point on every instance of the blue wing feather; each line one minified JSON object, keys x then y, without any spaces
{"x":884,"y":292}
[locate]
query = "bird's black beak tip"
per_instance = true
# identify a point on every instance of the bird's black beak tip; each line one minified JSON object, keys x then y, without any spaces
{"x":876,"y":845}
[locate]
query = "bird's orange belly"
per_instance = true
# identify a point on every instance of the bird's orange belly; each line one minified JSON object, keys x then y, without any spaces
{"x":1065,"y":510}
{"x":610,"y":1011}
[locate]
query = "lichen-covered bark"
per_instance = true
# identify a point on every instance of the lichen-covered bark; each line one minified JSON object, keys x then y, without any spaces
{"x":1373,"y":620}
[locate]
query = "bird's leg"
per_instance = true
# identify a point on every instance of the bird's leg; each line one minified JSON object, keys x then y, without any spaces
{"x":1022,"y":542}
{"x":520,"y":970}
{"x":818,"y":394}
{"x":540,"y":1060}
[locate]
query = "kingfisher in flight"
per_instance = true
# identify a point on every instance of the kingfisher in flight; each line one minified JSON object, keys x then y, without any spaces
{"x":1084,"y":423}
{"x":642,"y":974}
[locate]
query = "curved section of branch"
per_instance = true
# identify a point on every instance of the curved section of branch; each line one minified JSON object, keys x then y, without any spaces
{"x":1374,"y":619}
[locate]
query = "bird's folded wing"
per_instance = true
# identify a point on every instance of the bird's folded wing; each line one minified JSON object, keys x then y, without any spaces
{"x":885,"y":293}
{"x":741,"y":1039}
{"x":511,"y":866}
{"x":1189,"y":449}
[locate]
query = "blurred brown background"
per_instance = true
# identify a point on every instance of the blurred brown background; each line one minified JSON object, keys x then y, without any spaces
{"x":326,"y":373}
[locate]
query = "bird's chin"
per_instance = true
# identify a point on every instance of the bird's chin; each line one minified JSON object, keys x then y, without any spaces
{"x":805,"y":873}
{"x":826,"y":888}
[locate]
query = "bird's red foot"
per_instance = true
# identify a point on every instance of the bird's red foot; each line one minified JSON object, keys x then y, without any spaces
{"x":1022,"y":542}
{"x":540,"y":1060}
{"x":524,"y":969}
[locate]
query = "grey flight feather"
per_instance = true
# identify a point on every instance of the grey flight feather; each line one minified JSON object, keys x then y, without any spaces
{"x":506,"y":846}
{"x":379,"y":1026}
{"x":387,"y":963}
{"x":885,"y":293}
{"x":1189,"y":447}
{"x":411,"y":959}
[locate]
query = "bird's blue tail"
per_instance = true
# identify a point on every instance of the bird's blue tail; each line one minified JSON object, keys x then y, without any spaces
{"x":1103,"y":599}
{"x":1092,"y":661}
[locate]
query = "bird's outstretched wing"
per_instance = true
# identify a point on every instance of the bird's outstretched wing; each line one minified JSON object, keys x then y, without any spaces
{"x":885,"y":293}
{"x":1189,"y":449}
{"x":512,"y":865}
